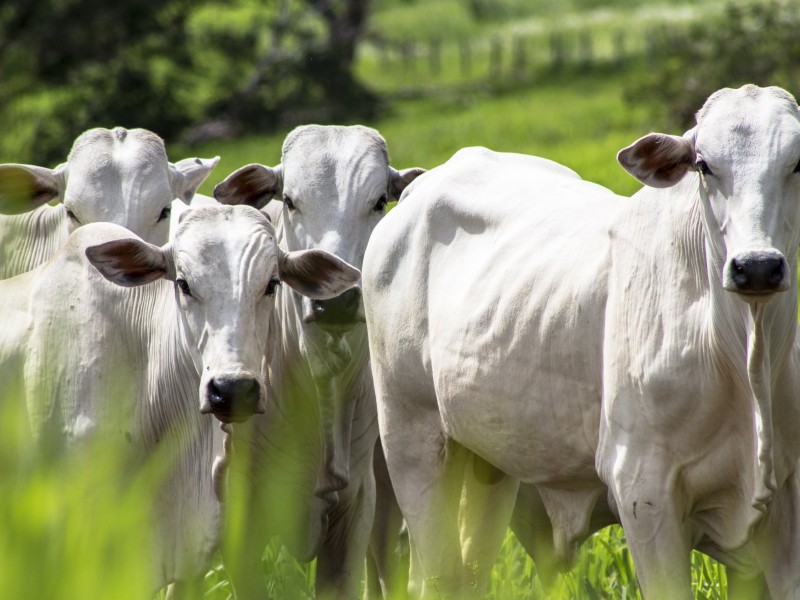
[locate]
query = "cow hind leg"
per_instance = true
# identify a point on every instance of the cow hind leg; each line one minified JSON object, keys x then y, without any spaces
{"x":387,"y":559}
{"x":487,"y":502}
{"x":427,"y":474}
{"x":187,"y":589}
{"x":340,"y":560}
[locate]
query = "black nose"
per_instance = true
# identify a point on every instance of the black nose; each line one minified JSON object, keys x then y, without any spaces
{"x":758,"y":272}
{"x":233,"y":399}
{"x":341,"y":310}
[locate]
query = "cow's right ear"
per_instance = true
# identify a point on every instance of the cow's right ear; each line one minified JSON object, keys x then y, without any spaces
{"x":129,"y":262}
{"x":25,"y":187}
{"x":317,"y":274}
{"x":254,"y":185}
{"x":658,"y":160}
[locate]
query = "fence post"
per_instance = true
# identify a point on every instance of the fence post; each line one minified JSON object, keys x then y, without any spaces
{"x":619,"y":48}
{"x":408,"y":53}
{"x":520,"y":60}
{"x":435,"y":57}
{"x":495,"y":57}
{"x":585,"y":49}
{"x":556,"y":50}
{"x":465,"y":58}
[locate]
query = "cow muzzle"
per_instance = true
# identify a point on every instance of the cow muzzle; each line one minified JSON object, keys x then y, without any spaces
{"x":342,"y":311}
{"x":232,"y":399}
{"x":756,"y":274}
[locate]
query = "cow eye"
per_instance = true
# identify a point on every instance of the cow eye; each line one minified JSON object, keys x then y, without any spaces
{"x":288,"y":202}
{"x":272,"y":286}
{"x":797,"y":168}
{"x":72,"y":217}
{"x":165,"y":212}
{"x":380,"y":205}
{"x":183,"y":286}
{"x":703,"y":167}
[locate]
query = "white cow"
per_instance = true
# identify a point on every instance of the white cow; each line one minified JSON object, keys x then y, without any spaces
{"x":312,"y":450}
{"x":144,"y":364}
{"x":526,"y":325}
{"x":116,"y":175}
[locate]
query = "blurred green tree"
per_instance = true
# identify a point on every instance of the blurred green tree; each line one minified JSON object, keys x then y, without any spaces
{"x":186,"y":68}
{"x":299,"y":65}
{"x":750,"y":43}
{"x":66,"y":65}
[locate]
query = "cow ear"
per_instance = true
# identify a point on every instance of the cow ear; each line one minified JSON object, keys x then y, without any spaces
{"x":317,"y":274}
{"x":188,"y":174}
{"x":253,"y":184}
{"x":25,"y":187}
{"x":129,"y":262}
{"x":399,"y":180}
{"x":658,"y":160}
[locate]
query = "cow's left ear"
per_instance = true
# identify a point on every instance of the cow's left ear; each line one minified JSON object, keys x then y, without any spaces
{"x":399,"y":180}
{"x":25,"y":187}
{"x":252,"y":184}
{"x":188,"y":174}
{"x":129,"y":262}
{"x":658,"y":160}
{"x":317,"y":274}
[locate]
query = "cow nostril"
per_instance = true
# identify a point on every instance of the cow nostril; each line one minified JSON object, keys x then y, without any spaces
{"x":776,"y":277}
{"x":739,"y":274}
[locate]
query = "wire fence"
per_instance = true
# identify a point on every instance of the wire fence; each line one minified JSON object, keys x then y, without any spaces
{"x":412,"y":64}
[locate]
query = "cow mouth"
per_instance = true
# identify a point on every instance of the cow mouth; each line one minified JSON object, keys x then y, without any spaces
{"x":229,"y":418}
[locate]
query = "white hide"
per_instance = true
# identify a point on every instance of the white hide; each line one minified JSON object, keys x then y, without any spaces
{"x":313,"y":448}
{"x":590,"y":345}
{"x":133,"y":352}
{"x":119,"y":176}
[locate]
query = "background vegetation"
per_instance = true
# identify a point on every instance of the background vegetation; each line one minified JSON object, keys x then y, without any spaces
{"x":572,"y":80}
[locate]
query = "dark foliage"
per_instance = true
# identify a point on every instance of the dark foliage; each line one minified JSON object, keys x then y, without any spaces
{"x":98,"y":62}
{"x":757,"y":43}
{"x":67,"y":65}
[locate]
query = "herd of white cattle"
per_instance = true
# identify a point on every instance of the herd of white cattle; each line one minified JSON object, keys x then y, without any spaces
{"x":511,"y":345}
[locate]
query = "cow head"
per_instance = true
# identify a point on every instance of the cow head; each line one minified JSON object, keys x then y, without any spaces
{"x":119,"y":176}
{"x":226,"y":265}
{"x":746,"y":149}
{"x":334,"y":183}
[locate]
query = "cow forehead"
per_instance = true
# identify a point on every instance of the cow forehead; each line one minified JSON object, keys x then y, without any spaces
{"x":317,"y":157}
{"x":120,"y":164}
{"x":226,"y":241}
{"x":749,"y":119}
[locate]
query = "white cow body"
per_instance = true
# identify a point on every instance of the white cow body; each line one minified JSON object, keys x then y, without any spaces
{"x":595,"y":345}
{"x":119,"y":176}
{"x":312,"y":450}
{"x":94,"y":357}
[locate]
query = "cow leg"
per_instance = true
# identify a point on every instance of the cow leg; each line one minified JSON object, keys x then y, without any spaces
{"x":746,"y":588}
{"x":534,"y":531}
{"x":186,"y":589}
{"x":487,"y":502}
{"x":387,"y":560}
{"x":340,"y":560}
{"x":656,"y":529}
{"x":427,"y":473}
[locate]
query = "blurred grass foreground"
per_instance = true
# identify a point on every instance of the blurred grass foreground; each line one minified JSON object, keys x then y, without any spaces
{"x":572,"y":81}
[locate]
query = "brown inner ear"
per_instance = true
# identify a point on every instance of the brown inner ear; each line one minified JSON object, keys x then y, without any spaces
{"x":662,"y":156}
{"x":127,"y":262}
{"x":248,"y":186}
